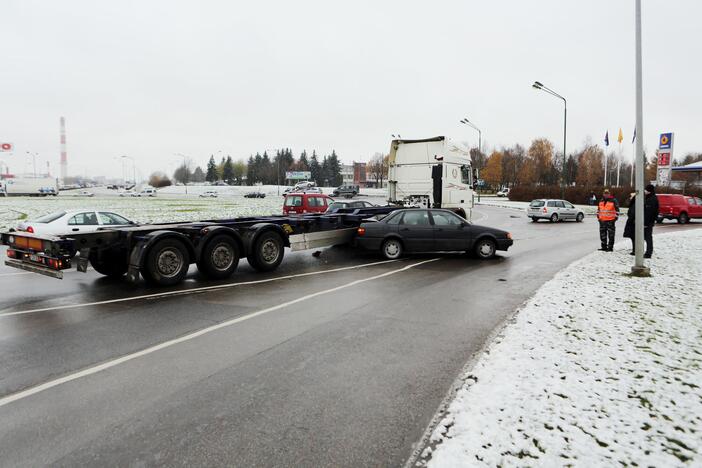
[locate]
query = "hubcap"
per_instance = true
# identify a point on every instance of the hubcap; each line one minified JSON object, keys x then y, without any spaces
{"x":485,"y":249}
{"x":169,"y":262}
{"x":392,"y":249}
{"x":222,"y":256}
{"x":269,"y":251}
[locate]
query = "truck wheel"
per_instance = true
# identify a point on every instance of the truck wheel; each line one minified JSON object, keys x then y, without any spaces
{"x":268,"y":251}
{"x":113,"y":264}
{"x":683,"y":218}
{"x":220,"y":257}
{"x":485,"y":248}
{"x":166,"y":263}
{"x":391,"y":249}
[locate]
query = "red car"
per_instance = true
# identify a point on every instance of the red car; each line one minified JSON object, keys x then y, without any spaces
{"x":300,"y":203}
{"x":680,"y":207}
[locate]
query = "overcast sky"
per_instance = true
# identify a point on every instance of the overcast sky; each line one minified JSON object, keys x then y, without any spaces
{"x":149,"y":79}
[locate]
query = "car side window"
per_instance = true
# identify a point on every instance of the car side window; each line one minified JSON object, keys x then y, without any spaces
{"x":691,"y":201}
{"x":293,"y":201}
{"x":112,"y":218}
{"x":416,"y":218}
{"x":445,"y":219}
{"x":569,"y":205}
{"x":699,"y":201}
{"x":83,"y":219}
{"x":395,"y":219}
{"x":559,"y":204}
{"x":551,"y":204}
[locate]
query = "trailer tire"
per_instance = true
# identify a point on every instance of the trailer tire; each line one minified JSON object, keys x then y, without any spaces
{"x":267,"y":253}
{"x":110,"y":264}
{"x":219,"y":258}
{"x":166,"y":263}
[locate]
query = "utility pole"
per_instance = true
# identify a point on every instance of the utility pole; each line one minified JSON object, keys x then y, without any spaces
{"x":639,"y":269}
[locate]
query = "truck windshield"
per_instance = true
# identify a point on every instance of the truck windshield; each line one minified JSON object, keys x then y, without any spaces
{"x":466,"y":175}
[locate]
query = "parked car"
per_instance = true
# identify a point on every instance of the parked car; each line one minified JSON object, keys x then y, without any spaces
{"x":85,"y":193}
{"x":682,"y":208}
{"x":339,"y":205}
{"x":68,"y":221}
{"x":430,"y":230}
{"x":255,"y":195}
{"x":503,"y":193}
{"x":299,"y":203}
{"x":209,"y":194}
{"x":147,"y":192}
{"x":346,"y":191}
{"x":554,"y":210}
{"x":127,"y":193}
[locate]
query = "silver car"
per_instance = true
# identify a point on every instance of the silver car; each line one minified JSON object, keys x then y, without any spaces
{"x":554,"y":210}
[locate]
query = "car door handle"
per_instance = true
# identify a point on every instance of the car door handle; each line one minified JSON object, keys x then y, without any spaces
{"x":75,"y":229}
{"x":404,"y":229}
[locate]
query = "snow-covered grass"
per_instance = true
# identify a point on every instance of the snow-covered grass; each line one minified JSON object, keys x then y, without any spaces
{"x":597,"y":369}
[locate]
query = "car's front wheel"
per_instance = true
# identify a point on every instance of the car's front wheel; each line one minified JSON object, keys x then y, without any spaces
{"x":485,"y":248}
{"x":534,"y":219}
{"x":391,"y":249}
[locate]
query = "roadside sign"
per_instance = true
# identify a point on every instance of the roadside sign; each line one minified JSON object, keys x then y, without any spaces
{"x":664,"y":158}
{"x":4,"y":147}
{"x":298,"y":175}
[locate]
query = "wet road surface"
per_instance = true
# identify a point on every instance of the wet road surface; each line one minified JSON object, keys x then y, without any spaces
{"x":338,"y":359}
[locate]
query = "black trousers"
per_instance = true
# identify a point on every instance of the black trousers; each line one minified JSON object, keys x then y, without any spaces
{"x":648,"y":238}
{"x":607,"y":234}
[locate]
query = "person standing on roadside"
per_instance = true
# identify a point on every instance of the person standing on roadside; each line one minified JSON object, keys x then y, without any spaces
{"x":592,"y":199}
{"x":607,"y":215}
{"x":650,"y":216}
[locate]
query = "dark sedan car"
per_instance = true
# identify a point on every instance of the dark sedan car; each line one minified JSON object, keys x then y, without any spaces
{"x":418,"y":230}
{"x":341,"y":205}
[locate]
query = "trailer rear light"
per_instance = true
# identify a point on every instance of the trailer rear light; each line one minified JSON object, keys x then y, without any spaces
{"x":361,"y":231}
{"x":30,"y":229}
{"x":11,"y":253}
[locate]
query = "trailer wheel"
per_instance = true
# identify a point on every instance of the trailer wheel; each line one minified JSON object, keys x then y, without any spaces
{"x":112,"y":264}
{"x":268,"y":251}
{"x":166,"y":263}
{"x":220,"y":257}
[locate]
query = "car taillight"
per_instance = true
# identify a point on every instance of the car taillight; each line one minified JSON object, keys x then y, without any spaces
{"x":361,"y":231}
{"x":545,"y":210}
{"x":30,"y":229}
{"x":509,"y":235}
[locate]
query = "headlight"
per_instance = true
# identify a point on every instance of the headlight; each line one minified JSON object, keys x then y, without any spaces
{"x":509,"y":235}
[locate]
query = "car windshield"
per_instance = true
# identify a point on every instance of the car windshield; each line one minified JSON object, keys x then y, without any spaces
{"x":536,"y":203}
{"x":50,"y":217}
{"x":337,"y":205}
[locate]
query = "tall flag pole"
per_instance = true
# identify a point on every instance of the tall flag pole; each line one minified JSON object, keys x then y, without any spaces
{"x":633,"y":158}
{"x":620,"y":138}
{"x":606,"y":142}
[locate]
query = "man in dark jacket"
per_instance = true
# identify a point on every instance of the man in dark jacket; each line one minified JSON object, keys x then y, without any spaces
{"x":650,"y":216}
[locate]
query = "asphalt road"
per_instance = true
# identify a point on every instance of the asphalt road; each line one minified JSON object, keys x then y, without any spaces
{"x":339,"y":359}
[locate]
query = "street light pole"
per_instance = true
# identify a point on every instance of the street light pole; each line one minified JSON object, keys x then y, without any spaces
{"x":544,"y":88}
{"x":133,"y":167}
{"x":639,"y":269}
{"x":465,"y":121}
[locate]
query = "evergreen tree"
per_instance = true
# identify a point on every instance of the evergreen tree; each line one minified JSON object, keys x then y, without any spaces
{"x":303,"y":164}
{"x":315,"y":168}
{"x":198,"y":175}
{"x":267,"y":172}
{"x":251,"y":171}
{"x":334,"y":170}
{"x":211,"y":175}
{"x":228,"y":170}
{"x":325,"y":175}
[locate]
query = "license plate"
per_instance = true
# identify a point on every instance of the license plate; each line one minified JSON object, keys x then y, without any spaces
{"x":34,"y":258}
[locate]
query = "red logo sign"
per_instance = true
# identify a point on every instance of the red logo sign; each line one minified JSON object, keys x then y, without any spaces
{"x":664,"y":159}
{"x":5,"y":146}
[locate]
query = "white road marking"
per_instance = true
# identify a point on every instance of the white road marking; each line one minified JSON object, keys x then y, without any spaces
{"x":166,"y":344}
{"x":189,"y":291}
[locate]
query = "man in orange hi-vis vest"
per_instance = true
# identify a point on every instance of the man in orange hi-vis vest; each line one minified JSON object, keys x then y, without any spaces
{"x":607,"y":215}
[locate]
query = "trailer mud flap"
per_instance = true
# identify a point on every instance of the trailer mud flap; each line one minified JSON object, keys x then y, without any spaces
{"x":82,"y":260}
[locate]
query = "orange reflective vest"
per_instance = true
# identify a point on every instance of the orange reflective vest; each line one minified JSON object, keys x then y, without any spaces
{"x":607,"y":210}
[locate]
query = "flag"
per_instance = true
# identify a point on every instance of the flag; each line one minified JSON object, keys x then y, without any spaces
{"x":634,"y":138}
{"x":620,"y":138}
{"x":607,"y":138}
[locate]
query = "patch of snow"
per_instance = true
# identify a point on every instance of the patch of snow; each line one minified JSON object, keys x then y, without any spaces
{"x":597,"y":369}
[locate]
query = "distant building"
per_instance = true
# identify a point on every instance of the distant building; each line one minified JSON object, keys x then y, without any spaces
{"x":359,"y":174}
{"x":347,"y":174}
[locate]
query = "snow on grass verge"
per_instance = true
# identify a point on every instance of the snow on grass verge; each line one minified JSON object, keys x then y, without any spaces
{"x":597,"y":369}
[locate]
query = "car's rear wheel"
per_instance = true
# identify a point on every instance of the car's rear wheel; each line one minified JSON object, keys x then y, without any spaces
{"x":166,"y":263}
{"x":485,"y":248}
{"x":554,"y":218}
{"x":391,"y":249}
{"x":683,"y":218}
{"x":579,"y":218}
{"x":220,"y":257}
{"x":534,"y":219}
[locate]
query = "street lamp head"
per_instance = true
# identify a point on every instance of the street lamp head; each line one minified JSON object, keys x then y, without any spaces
{"x":535,"y":86}
{"x":539,"y":84}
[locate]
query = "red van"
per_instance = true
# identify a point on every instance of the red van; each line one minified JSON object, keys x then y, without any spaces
{"x":299,"y":203}
{"x":680,"y":207}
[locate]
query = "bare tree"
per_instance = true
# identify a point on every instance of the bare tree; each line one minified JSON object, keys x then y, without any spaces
{"x":377,"y":168}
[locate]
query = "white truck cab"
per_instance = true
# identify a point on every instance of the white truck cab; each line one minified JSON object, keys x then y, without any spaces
{"x":430,"y":173}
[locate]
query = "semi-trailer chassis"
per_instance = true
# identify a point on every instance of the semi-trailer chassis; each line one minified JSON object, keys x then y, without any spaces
{"x":162,"y":253}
